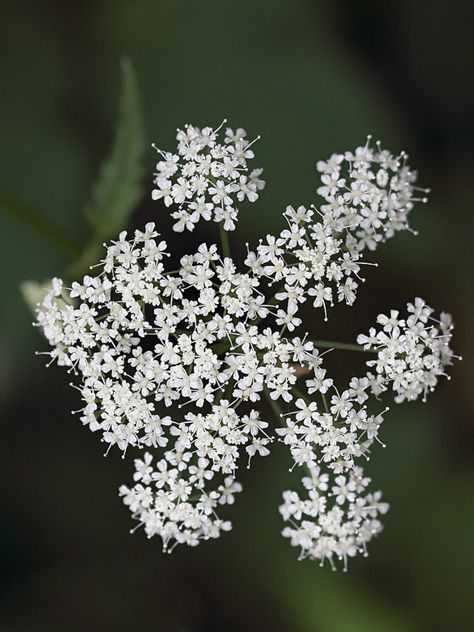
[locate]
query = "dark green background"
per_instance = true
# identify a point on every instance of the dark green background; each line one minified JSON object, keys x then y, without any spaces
{"x":312,"y":78}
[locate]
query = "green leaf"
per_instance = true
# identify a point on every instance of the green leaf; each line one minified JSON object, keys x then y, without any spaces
{"x":33,"y":293}
{"x":118,"y":188}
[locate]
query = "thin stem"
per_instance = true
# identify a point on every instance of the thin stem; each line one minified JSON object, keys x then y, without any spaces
{"x":345,"y":346}
{"x":325,"y":402}
{"x":298,"y":393}
{"x":273,"y":404}
{"x":38,"y":223}
{"x":224,"y":240}
{"x":277,"y":410}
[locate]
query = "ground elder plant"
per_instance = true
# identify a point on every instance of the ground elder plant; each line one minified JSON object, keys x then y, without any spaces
{"x":192,"y":373}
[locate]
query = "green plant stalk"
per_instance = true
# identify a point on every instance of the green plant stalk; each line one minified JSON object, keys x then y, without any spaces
{"x":224,"y":240}
{"x":273,"y":404}
{"x":325,"y":403}
{"x":277,"y":410}
{"x":345,"y":346}
{"x":298,"y":393}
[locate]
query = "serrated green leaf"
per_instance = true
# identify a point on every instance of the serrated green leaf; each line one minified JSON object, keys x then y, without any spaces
{"x":118,"y":187}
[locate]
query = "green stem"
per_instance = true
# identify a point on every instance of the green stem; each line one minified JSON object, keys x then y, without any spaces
{"x":274,"y":405}
{"x":346,"y":346}
{"x":38,"y":223}
{"x":224,"y":240}
{"x":277,"y":410}
{"x":325,"y":402}
{"x":298,"y":393}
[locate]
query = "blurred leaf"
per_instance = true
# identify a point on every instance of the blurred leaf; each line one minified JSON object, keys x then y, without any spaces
{"x":33,"y":293}
{"x":117,"y":190}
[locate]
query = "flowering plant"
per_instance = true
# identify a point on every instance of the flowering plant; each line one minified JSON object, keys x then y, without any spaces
{"x":176,"y":364}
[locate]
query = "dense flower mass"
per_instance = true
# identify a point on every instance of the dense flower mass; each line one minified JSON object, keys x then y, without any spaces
{"x":141,"y":338}
{"x":335,"y":436}
{"x":207,"y":177}
{"x":412,"y":352}
{"x":175,"y":365}
{"x":171,"y":499}
{"x":370,"y":191}
{"x":337,"y":518}
{"x":312,"y":260}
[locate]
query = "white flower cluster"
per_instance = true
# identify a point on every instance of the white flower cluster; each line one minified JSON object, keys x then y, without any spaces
{"x":207,"y":177}
{"x":140,"y":337}
{"x":311,"y":260}
{"x":328,"y":443}
{"x":412,"y":352}
{"x":370,"y":191}
{"x":171,"y":499}
{"x":177,"y":363}
{"x":335,"y":437}
{"x":368,"y":195}
{"x":337,"y":519}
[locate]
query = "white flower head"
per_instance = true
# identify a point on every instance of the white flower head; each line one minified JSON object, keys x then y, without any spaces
{"x":335,"y":524}
{"x":413,"y":351}
{"x":175,"y":365}
{"x":208,"y":176}
{"x":370,"y":192}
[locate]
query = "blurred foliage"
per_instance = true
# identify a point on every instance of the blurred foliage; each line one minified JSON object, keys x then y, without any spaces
{"x":312,"y":77}
{"x":117,"y":191}
{"x":33,"y":293}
